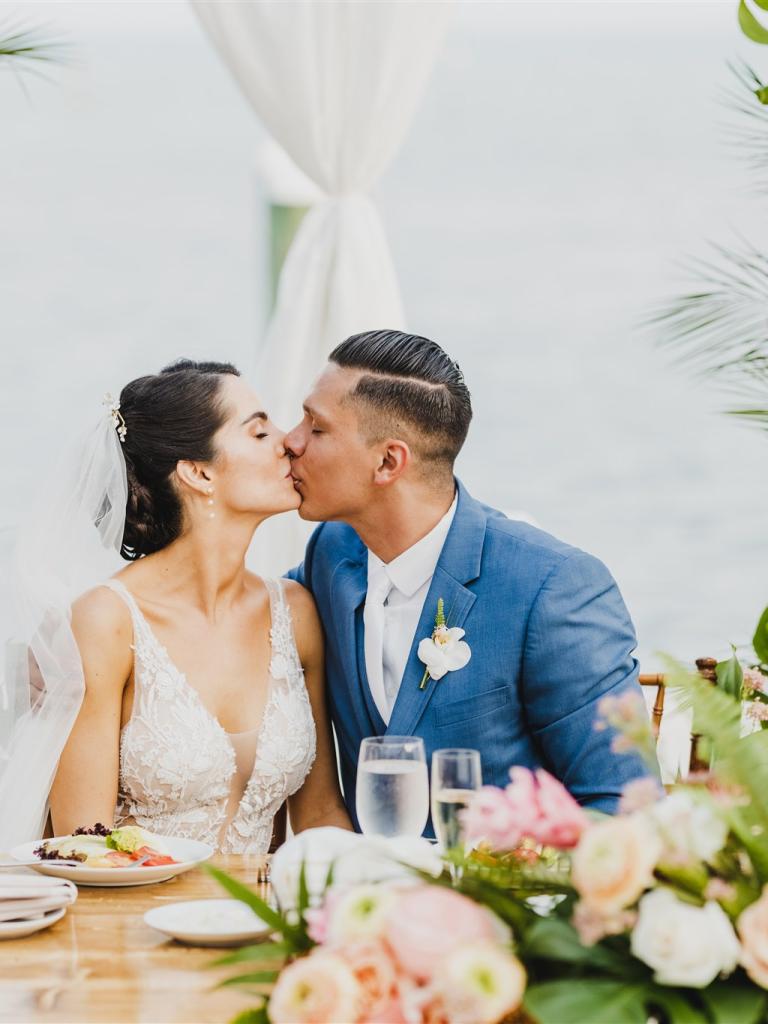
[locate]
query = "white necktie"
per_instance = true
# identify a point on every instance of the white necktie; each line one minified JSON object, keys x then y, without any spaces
{"x":373,"y":621}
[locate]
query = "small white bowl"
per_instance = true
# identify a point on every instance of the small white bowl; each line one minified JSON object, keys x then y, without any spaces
{"x":208,"y":922}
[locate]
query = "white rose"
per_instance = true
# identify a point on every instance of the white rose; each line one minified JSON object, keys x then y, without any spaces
{"x":684,"y":944}
{"x":689,"y":828}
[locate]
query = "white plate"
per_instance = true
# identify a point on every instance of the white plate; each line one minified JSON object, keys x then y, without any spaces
{"x":189,"y":853}
{"x":18,"y":929}
{"x":208,"y":922}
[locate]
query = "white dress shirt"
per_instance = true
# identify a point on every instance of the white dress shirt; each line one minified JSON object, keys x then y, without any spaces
{"x":402,"y":586}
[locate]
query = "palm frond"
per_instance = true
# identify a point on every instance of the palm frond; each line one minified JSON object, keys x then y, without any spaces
{"x":31,"y":50}
{"x":721,"y":329}
{"x":747,"y":98}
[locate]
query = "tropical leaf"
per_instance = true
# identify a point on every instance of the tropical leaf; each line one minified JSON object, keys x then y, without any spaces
{"x":551,"y":938}
{"x":252,"y":978}
{"x":31,"y":49}
{"x":257,"y":1015}
{"x":577,"y":1000}
{"x":760,"y":639}
{"x":749,"y":24}
{"x":721,"y":329}
{"x":268,"y":951}
{"x":730,"y":676}
{"x":292,"y":934}
{"x":742,"y":762}
{"x":728,"y":1002}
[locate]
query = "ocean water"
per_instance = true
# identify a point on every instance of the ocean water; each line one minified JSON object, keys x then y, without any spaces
{"x":564,"y":161}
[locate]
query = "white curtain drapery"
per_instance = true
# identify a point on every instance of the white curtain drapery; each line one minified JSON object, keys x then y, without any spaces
{"x":336,"y":84}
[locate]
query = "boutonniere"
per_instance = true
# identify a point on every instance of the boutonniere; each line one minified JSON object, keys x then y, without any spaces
{"x":444,"y":651}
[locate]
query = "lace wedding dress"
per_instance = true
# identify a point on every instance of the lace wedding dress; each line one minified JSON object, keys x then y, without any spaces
{"x":181,"y":774}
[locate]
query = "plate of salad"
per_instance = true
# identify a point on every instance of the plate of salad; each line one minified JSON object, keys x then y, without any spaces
{"x":104,"y":856}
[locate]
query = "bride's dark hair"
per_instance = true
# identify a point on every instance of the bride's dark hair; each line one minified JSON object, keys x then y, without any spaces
{"x":169,"y":416}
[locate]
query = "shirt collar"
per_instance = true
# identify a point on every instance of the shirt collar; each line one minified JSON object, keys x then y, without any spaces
{"x":416,"y":565}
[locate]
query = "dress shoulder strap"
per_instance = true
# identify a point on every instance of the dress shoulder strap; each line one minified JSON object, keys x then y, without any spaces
{"x":141,"y":628}
{"x":281,"y":633}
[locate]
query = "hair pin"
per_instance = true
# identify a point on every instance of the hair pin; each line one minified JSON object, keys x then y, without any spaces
{"x":113,"y":408}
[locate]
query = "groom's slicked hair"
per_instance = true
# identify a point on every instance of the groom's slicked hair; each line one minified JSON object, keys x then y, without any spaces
{"x":409,"y":384}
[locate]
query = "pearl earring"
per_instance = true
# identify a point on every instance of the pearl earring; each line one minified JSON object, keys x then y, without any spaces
{"x":211,"y":514}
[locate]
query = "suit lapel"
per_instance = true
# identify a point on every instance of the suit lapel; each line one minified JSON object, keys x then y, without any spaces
{"x":348,"y":589}
{"x":459,"y":564}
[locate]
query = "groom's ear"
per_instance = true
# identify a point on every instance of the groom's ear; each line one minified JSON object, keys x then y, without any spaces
{"x":193,"y":475}
{"x":394,"y":458}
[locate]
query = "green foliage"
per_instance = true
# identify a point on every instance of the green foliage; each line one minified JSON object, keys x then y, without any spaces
{"x":269,"y":951}
{"x":730,"y":676}
{"x":760,"y":639}
{"x":577,"y":1000}
{"x":742,"y":762}
{"x":552,"y":938}
{"x":749,"y":24}
{"x":294,"y":934}
{"x":257,"y":1015}
{"x":729,"y":1003}
{"x":29,"y":49}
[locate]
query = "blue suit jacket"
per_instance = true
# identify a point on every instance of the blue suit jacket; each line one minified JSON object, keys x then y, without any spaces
{"x":549,"y":634}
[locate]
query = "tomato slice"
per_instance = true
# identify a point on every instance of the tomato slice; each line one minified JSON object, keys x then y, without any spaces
{"x":154,"y":859}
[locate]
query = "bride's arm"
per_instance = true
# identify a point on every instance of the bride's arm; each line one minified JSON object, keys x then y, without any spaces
{"x":85,"y":788}
{"x":319,"y":801}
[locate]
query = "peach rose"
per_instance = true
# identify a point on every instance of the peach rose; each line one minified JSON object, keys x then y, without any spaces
{"x":374,"y":968}
{"x":613,"y":863}
{"x":434,"y":921}
{"x":752,"y":927}
{"x":480,"y":982}
{"x":318,"y":989}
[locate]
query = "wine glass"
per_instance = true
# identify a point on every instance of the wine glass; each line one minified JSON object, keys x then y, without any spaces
{"x":456,"y":774}
{"x":392,"y":786}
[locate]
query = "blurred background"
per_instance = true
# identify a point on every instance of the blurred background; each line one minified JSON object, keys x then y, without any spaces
{"x":564,"y":161}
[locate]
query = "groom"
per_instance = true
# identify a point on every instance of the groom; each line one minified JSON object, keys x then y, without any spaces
{"x":547,"y":631}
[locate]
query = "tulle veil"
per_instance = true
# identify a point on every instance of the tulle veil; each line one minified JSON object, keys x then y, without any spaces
{"x":69,"y":543}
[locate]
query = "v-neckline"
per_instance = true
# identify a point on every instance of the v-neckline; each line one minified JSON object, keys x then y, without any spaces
{"x":182,"y":676}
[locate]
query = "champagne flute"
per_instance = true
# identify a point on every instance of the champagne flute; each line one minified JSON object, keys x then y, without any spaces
{"x":392,"y":786}
{"x":456,"y":774}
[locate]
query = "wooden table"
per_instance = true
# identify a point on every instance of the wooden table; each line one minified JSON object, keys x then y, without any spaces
{"x":102,"y":963}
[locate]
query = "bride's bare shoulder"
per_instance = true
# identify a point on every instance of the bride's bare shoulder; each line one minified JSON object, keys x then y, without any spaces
{"x":101,"y":612}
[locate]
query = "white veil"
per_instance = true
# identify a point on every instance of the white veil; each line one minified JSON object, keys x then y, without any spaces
{"x":70,"y":543}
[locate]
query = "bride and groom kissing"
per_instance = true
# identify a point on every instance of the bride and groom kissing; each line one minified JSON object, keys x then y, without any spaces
{"x":207,"y":694}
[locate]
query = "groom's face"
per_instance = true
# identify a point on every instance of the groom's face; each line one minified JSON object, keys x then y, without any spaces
{"x":333,"y":466}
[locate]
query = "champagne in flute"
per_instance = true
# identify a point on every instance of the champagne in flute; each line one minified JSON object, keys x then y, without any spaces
{"x":392,"y":786}
{"x":456,"y":774}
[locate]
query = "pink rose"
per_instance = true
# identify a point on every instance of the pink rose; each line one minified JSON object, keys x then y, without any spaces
{"x":560,"y":820}
{"x":752,"y":927}
{"x":317,"y":989}
{"x":491,"y":817}
{"x":433,"y":921}
{"x":535,"y":806}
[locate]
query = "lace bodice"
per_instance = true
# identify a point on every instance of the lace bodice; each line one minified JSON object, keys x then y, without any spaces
{"x":177,"y":763}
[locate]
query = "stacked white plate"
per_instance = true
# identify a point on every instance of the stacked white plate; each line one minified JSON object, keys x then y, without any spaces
{"x":30,"y":902}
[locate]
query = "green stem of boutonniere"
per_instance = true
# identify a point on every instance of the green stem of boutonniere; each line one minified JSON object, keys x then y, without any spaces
{"x":439,"y":621}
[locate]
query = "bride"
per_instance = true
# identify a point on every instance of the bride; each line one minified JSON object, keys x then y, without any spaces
{"x":186,"y":693}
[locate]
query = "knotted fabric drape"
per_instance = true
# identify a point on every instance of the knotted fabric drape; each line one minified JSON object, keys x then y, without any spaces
{"x":336,"y":83}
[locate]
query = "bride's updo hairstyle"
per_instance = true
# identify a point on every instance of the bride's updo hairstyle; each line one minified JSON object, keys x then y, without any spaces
{"x":169,"y":417}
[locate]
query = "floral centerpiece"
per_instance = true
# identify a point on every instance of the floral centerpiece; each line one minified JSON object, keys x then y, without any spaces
{"x":660,"y":912}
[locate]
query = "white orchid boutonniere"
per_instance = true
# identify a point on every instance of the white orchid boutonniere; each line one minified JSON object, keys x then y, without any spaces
{"x":444,"y":651}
